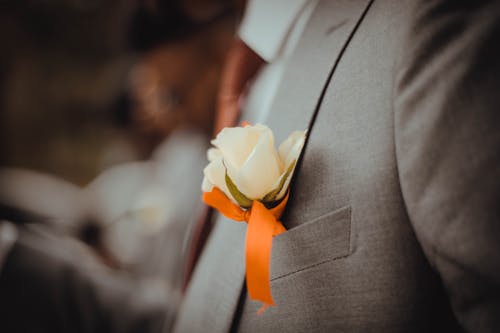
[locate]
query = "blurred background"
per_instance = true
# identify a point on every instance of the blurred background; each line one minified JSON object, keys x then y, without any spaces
{"x":88,"y":84}
{"x":106,"y":108}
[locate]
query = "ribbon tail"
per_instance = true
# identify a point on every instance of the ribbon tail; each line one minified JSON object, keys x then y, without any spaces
{"x":262,"y":309}
{"x":261,"y":228}
{"x":278,"y":228}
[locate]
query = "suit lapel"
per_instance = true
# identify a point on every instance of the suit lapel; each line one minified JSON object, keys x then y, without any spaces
{"x":313,"y":63}
{"x":311,"y":68}
{"x":212,"y":298}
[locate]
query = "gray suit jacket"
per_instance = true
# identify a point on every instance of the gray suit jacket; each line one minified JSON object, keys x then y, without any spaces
{"x":394,"y":220}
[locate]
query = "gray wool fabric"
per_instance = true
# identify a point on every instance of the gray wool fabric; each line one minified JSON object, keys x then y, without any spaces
{"x":394,"y":218}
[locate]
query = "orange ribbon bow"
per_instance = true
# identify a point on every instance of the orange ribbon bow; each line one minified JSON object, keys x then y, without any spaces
{"x":263,"y":224}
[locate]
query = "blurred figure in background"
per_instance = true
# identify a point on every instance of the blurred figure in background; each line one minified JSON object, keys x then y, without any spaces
{"x":89,"y":89}
{"x":174,"y":85}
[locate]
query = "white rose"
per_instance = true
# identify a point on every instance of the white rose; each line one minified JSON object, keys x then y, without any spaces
{"x":246,"y":166}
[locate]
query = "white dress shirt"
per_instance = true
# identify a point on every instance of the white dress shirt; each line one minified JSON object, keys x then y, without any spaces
{"x":272,"y":29}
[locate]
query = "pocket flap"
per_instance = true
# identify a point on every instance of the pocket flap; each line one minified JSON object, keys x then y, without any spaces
{"x":321,"y":240}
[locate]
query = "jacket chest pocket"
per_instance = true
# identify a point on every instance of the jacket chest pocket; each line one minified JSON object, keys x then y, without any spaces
{"x":321,"y":240}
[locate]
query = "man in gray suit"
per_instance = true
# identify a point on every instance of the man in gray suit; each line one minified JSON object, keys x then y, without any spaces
{"x":394,"y":215}
{"x":393,"y":221}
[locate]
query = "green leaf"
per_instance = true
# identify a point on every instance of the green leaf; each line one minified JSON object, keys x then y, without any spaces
{"x":242,"y":200}
{"x":271,"y":196}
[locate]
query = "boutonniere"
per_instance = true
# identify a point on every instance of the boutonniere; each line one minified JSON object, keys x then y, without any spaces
{"x":248,"y":180}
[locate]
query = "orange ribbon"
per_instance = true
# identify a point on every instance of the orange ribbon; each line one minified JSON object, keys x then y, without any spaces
{"x":263,"y":224}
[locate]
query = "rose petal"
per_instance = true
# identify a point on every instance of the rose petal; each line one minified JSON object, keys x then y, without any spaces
{"x":261,"y":170}
{"x":283,"y":191}
{"x":206,"y":185}
{"x":236,"y":143}
{"x":290,"y":151}
{"x":215,"y":174}
{"x":281,"y":185}
{"x":213,"y":153}
{"x":291,"y":148}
